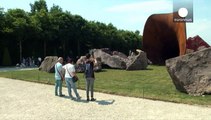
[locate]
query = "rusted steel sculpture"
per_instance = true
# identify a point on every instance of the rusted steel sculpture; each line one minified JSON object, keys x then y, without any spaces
{"x":163,"y":38}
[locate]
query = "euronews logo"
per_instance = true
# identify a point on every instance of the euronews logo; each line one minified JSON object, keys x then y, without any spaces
{"x":183,"y":11}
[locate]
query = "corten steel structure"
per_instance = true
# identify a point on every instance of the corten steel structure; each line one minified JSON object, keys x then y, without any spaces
{"x":163,"y":38}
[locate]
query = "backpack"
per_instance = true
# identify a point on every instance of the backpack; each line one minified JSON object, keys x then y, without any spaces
{"x":88,"y":70}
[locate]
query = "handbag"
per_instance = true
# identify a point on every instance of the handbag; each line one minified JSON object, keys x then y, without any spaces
{"x":75,"y":78}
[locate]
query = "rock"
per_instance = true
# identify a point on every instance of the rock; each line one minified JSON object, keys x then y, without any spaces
{"x":138,"y":62}
{"x":114,"y":61}
{"x":79,"y":68}
{"x":201,"y":48}
{"x":48,"y":64}
{"x":196,"y":43}
{"x":98,"y":65}
{"x":120,"y":54}
{"x":149,"y":62}
{"x":80,"y":65}
{"x":189,"y":51}
{"x":81,"y":60}
{"x":191,"y":73}
{"x":106,"y":50}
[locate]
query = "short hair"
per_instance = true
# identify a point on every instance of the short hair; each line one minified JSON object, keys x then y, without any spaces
{"x":69,"y":60}
{"x":60,"y":58}
{"x":88,"y":56}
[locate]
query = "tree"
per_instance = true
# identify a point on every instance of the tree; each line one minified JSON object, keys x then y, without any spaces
{"x":2,"y":20}
{"x":17,"y":21}
{"x":40,"y":13}
{"x":6,"y":57}
{"x":61,"y":32}
{"x":78,"y":27}
{"x":62,"y":28}
{"x":2,"y":24}
{"x":38,"y":6}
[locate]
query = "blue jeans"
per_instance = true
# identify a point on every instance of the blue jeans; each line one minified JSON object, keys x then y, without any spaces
{"x":70,"y":84}
{"x":58,"y":84}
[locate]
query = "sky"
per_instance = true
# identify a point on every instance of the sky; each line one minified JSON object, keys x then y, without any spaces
{"x":127,"y":14}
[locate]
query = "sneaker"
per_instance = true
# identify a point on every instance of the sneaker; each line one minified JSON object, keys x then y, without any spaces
{"x":56,"y":94}
{"x":93,"y":99}
{"x":78,"y":98}
{"x":62,"y":95}
{"x":71,"y":97}
{"x":87,"y":99}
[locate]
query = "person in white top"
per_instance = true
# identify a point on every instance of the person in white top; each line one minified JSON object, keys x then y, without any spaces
{"x":69,"y":74}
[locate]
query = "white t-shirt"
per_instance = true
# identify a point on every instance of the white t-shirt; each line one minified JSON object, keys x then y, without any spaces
{"x":71,"y":68}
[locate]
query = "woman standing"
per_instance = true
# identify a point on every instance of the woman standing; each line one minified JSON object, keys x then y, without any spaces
{"x":90,"y":77}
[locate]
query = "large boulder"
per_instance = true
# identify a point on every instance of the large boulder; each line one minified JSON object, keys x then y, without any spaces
{"x":163,"y":38}
{"x":137,"y":62}
{"x":113,"y":61}
{"x":98,"y":65}
{"x":191,"y":72}
{"x":80,"y":64}
{"x":81,"y":61}
{"x":48,"y":64}
{"x":120,"y":54}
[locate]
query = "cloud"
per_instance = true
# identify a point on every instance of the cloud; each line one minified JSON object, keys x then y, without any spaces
{"x":143,"y":6}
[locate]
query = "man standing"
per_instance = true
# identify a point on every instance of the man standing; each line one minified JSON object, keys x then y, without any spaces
{"x":58,"y":77}
{"x":90,"y":77}
{"x":69,"y":74}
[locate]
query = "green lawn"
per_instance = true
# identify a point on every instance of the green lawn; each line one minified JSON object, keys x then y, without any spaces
{"x":154,"y":83}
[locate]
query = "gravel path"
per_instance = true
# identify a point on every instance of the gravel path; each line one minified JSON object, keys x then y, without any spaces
{"x":20,"y":100}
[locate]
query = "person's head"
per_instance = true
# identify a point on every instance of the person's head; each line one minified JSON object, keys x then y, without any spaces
{"x":88,"y":56}
{"x":69,"y":60}
{"x":60,"y":59}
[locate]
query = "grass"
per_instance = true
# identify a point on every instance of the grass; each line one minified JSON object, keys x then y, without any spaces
{"x":153,"y":83}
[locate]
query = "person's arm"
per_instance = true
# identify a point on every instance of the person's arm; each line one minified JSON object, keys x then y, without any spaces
{"x":72,"y":71}
{"x":74,"y":74}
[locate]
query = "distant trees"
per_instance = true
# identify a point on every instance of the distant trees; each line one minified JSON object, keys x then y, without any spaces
{"x":17,"y":25}
{"x":42,"y":32}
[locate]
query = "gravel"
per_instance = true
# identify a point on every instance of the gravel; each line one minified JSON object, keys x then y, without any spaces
{"x":20,"y":100}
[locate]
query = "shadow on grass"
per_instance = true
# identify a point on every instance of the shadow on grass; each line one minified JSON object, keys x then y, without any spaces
{"x":103,"y":70}
{"x":149,"y":69}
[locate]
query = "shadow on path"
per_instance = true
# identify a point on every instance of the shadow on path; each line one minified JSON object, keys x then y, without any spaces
{"x":99,"y":102}
{"x":105,"y":102}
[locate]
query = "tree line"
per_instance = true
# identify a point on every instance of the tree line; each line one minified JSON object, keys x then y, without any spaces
{"x":43,"y":32}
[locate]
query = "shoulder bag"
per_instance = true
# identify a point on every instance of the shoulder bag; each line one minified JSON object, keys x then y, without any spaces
{"x":75,"y":78}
